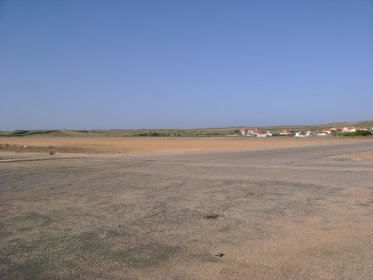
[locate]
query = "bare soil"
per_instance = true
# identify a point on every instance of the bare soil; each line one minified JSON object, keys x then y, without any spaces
{"x":154,"y":145}
{"x":298,"y":213}
{"x":360,"y":156}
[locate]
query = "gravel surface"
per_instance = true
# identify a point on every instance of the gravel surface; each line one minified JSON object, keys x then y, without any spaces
{"x":294,"y":213}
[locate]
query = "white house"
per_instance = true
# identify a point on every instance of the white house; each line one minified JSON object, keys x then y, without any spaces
{"x":300,"y":134}
{"x":263,"y":134}
{"x":250,"y":134}
{"x":349,"y":129}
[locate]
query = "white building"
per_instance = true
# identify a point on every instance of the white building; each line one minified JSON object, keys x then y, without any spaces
{"x":300,"y":134}
{"x":349,"y":129}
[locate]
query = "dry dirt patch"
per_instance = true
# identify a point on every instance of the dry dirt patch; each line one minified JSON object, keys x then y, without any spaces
{"x":366,"y":156}
{"x":158,"y":145}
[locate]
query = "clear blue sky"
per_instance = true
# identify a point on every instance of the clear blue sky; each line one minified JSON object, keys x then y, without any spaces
{"x":184,"y":64}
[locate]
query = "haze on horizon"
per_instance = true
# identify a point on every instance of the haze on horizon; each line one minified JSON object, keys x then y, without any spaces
{"x":184,"y":64}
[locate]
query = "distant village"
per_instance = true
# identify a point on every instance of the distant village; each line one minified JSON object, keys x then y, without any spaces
{"x":254,"y":132}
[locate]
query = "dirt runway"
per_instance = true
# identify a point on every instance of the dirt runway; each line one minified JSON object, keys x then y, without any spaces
{"x":282,"y":213}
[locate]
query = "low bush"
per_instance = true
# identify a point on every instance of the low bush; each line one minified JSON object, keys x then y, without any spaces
{"x":358,"y":133}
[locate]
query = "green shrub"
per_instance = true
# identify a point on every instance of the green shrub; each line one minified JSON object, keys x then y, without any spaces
{"x":358,"y":133}
{"x":21,"y":132}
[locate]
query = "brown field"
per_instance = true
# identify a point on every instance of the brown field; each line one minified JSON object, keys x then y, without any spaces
{"x":155,"y":145}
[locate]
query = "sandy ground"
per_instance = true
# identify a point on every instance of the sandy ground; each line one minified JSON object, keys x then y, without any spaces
{"x":360,"y":156}
{"x":156,"y":145}
{"x":286,"y":213}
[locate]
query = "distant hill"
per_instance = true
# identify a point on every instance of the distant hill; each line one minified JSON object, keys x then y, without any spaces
{"x":361,"y":124}
{"x":171,"y":132}
{"x":18,"y":133}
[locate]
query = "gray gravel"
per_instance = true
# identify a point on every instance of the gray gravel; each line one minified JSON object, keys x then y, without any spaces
{"x":296,"y":213}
